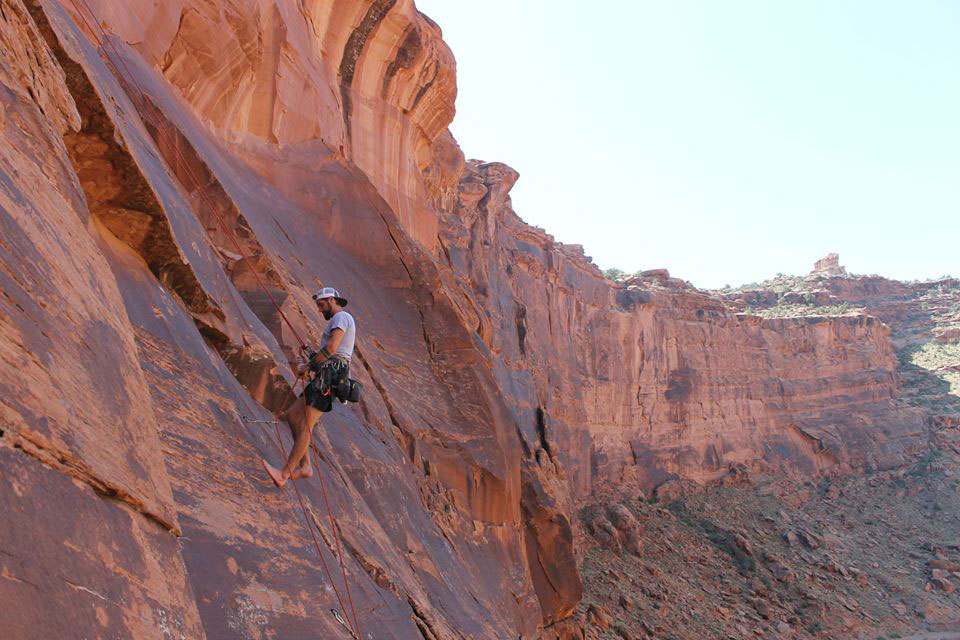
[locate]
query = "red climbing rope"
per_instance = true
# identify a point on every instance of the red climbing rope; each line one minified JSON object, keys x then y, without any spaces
{"x":310,"y":527}
{"x":334,"y":529}
{"x":129,"y":81}
{"x":336,"y":537}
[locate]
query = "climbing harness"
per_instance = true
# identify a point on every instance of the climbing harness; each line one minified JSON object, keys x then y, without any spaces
{"x":129,"y":81}
{"x":331,"y":381}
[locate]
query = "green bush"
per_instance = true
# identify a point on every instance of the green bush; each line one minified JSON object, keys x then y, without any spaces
{"x":614,"y":274}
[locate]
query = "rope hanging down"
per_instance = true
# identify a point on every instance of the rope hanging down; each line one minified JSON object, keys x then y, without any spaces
{"x":355,"y":627}
{"x":128,"y":80}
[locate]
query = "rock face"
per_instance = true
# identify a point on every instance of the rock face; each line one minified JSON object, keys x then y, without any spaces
{"x":829,"y":265}
{"x":176,"y":181}
{"x":652,"y":378}
{"x":923,"y":317}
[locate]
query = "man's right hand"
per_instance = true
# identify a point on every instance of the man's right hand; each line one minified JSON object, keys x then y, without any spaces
{"x":305,"y":357}
{"x":317,"y":358}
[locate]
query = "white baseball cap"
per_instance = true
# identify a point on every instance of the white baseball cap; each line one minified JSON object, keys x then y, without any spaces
{"x":330,"y":292}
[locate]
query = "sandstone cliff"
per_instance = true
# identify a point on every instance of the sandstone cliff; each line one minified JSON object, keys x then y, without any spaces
{"x":660,"y":378}
{"x":505,"y":378}
{"x":924,"y":321}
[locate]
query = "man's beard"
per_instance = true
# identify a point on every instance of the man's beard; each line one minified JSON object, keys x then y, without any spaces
{"x":327,"y":314}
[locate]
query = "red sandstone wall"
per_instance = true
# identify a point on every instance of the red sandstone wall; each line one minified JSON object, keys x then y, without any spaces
{"x":372,"y":82}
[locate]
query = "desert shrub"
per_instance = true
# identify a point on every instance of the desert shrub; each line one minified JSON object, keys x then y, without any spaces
{"x":614,"y":274}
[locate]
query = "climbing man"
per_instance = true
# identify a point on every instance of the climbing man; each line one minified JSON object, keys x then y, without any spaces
{"x":331,"y":366}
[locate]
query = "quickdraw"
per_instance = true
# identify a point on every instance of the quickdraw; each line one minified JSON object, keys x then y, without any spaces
{"x":339,"y":618}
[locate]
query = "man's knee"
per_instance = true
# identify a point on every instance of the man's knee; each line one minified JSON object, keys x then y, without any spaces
{"x":311,"y":416}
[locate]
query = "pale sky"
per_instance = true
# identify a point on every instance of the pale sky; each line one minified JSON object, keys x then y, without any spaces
{"x":724,"y":140}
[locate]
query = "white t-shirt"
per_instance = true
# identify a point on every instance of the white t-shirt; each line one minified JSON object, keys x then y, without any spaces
{"x":344,"y":321}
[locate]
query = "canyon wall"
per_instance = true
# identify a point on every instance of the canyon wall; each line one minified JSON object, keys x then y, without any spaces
{"x":924,"y":321}
{"x":649,"y":378}
{"x":178,"y":178}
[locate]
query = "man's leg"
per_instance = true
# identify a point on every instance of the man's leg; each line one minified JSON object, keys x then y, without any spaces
{"x":301,"y":419}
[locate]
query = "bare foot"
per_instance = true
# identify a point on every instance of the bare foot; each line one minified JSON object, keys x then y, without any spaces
{"x":303,"y":471}
{"x":275,"y":474}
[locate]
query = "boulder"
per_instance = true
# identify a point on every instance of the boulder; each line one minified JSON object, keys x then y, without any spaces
{"x":943,"y":564}
{"x":598,"y":617}
{"x":673,"y":490}
{"x":761,"y":607}
{"x":940,"y":584}
{"x":659,"y":274}
{"x":627,"y":528}
{"x":605,"y":533}
{"x":810,"y":540}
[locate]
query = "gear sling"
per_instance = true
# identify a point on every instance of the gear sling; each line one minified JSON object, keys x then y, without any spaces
{"x":331,"y":380}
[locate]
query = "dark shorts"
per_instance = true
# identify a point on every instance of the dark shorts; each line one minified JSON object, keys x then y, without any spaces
{"x":321,"y":391}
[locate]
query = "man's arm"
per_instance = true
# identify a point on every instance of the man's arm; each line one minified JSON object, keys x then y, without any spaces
{"x":336,"y":336}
